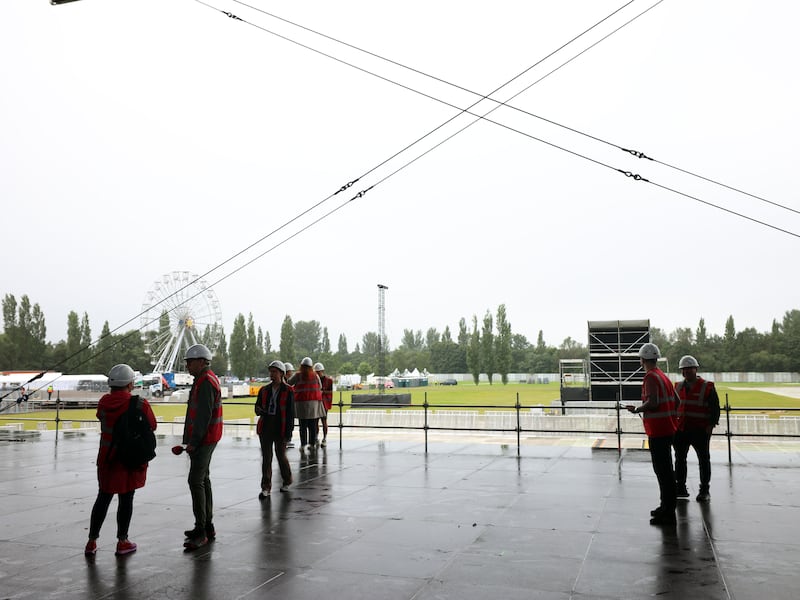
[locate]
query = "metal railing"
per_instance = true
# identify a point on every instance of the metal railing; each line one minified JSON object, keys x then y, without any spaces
{"x":618,"y":408}
{"x":428,"y":410}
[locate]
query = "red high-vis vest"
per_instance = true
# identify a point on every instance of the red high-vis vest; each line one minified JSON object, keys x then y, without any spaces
{"x":263,"y":400}
{"x":214,"y":433}
{"x":327,"y":391}
{"x":660,"y":422}
{"x":693,"y":410}
{"x":307,"y":390}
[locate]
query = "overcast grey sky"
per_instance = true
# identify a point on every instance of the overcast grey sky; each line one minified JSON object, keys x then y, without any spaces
{"x":141,"y":137}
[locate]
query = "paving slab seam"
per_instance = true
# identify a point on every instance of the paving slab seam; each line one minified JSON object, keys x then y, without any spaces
{"x":435,"y":577}
{"x":258,"y":587}
{"x":573,"y":591}
{"x":717,"y":562}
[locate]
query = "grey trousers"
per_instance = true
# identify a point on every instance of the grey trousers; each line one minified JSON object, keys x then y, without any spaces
{"x":200,"y":485}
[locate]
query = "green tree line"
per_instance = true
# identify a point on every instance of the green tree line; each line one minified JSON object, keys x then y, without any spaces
{"x":24,"y":345}
{"x":479,"y":346}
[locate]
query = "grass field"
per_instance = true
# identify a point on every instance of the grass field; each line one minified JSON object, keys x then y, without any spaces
{"x":463,"y":395}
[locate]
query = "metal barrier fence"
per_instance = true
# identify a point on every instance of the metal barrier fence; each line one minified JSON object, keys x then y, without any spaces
{"x":488,"y":418}
{"x":518,"y":428}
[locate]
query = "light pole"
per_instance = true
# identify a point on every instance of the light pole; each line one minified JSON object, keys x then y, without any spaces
{"x":382,"y":335}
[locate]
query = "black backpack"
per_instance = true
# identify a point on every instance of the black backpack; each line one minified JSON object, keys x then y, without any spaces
{"x":132,"y":441}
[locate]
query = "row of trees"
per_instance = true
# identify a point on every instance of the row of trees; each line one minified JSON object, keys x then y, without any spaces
{"x":490,"y":346}
{"x":481,"y":346}
{"x":745,"y":350}
{"x":24,"y":345}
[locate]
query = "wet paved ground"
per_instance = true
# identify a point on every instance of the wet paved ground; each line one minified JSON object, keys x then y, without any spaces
{"x":383,"y":520}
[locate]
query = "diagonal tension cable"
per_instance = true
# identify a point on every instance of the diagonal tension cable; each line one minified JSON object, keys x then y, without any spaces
{"x":462,"y":111}
{"x":363,"y":192}
{"x":319,"y":203}
{"x":484,"y":116}
{"x":636,"y":153}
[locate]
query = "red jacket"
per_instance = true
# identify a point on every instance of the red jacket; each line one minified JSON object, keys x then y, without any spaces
{"x":327,"y":391}
{"x":660,"y":422}
{"x":285,"y":408}
{"x":699,"y":405}
{"x":113,"y":476}
{"x":203,"y":411}
{"x":307,"y":395}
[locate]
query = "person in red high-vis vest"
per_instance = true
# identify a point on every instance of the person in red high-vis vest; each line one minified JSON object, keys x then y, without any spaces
{"x":698,"y":414}
{"x":201,"y":432}
{"x":658,"y":416}
{"x":307,"y":402}
{"x":327,"y":399}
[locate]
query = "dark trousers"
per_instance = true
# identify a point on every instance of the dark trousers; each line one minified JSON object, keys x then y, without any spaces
{"x":324,"y":427}
{"x":200,"y":485}
{"x":308,"y":431}
{"x":661,"y":456}
{"x":100,"y":510}
{"x":698,"y":439}
{"x":269,"y":440}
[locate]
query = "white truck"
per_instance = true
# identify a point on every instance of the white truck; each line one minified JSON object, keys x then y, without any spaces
{"x":159,"y":384}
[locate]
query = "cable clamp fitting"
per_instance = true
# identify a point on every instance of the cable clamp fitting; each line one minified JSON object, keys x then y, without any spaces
{"x":231,"y":15}
{"x":636,"y":153}
{"x":361,"y":194}
{"x":635,"y":176}
{"x":345,"y":186}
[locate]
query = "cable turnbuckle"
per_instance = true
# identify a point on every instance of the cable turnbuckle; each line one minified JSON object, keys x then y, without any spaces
{"x":634,"y":176}
{"x":345,"y":186}
{"x":361,"y":193}
{"x":231,"y":15}
{"x":636,"y":153}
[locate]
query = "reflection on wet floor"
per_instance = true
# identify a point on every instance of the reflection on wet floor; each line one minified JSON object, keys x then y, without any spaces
{"x":383,"y":519}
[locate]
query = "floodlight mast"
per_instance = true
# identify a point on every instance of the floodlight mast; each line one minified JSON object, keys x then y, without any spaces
{"x":382,"y":335}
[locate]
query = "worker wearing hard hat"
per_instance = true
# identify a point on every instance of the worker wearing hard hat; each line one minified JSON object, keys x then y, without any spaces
{"x":113,"y":476}
{"x":275,"y":409}
{"x":658,"y":415}
{"x":287,"y":374}
{"x":307,"y":402}
{"x":698,"y":414}
{"x":202,"y":430}
{"x":327,"y":399}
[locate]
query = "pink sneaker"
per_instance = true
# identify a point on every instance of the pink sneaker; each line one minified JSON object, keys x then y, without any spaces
{"x":125,"y":547}
{"x":91,"y":548}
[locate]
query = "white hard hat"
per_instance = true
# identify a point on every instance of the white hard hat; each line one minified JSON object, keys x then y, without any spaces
{"x":198,"y":351}
{"x":649,"y":351}
{"x":278,"y":365}
{"x":288,"y":367}
{"x":306,"y":362}
{"x":319,"y":367}
{"x":688,"y":361}
{"x":120,"y":376}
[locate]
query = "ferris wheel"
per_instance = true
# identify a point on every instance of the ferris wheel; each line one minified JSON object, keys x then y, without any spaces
{"x":179,"y":311}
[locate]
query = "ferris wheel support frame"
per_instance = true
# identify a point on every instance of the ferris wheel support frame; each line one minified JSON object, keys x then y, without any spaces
{"x":191,"y":305}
